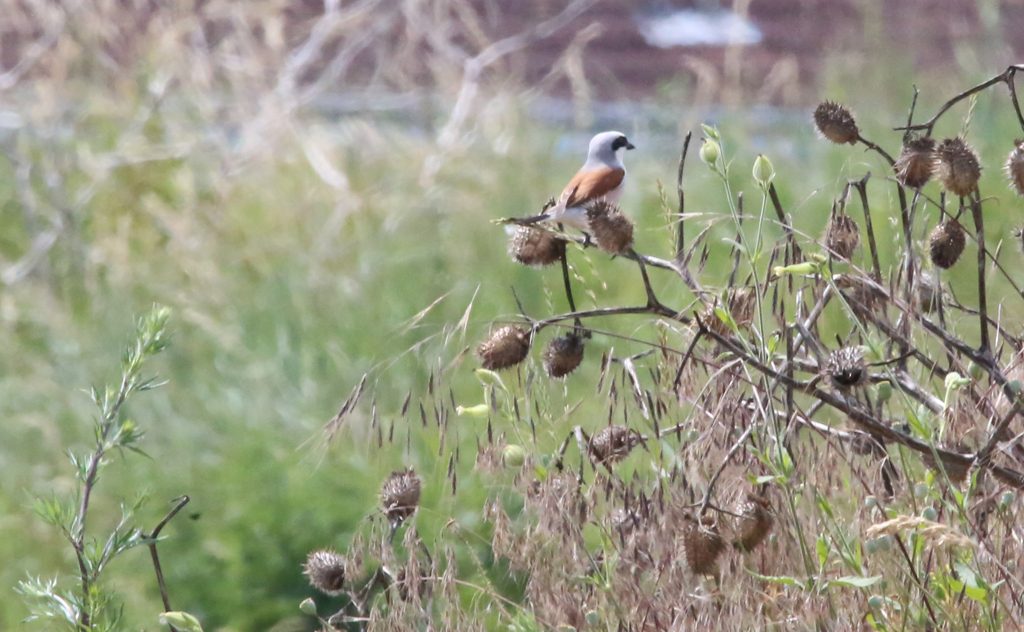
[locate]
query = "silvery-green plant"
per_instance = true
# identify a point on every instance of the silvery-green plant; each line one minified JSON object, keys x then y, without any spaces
{"x":86,"y":604}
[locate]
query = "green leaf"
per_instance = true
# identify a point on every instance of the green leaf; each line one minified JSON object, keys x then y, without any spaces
{"x":779,"y":579}
{"x":488,"y":377}
{"x":478,"y":410}
{"x":181,"y":620}
{"x":822,"y":549}
{"x":710,"y":131}
{"x":853,"y":581}
{"x":725,"y":317}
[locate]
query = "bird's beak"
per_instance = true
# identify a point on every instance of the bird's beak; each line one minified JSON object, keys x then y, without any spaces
{"x":630,"y":146}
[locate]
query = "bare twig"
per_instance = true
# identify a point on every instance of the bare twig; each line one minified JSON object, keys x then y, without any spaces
{"x":153,"y":538}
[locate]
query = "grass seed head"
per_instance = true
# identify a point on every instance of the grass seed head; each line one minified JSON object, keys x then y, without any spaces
{"x":957,"y":166}
{"x":563,"y":354}
{"x":1015,"y":167}
{"x":916,"y":163}
{"x":842,"y":236}
{"x":506,"y":347}
{"x":535,"y":246}
{"x":325,"y":570}
{"x":846,"y":367}
{"x":946,"y":243}
{"x":400,"y":495}
{"x":835,"y":122}
{"x":612,"y":230}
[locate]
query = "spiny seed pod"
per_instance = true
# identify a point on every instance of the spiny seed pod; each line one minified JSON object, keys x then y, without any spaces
{"x":916,"y":163}
{"x":1015,"y":167}
{"x":835,"y":122}
{"x":613,"y":443}
{"x":325,"y":570}
{"x":862,"y":294}
{"x":534,"y":246}
{"x":846,"y":367}
{"x":506,"y":347}
{"x":612,"y":230}
{"x":702,"y":544}
{"x":742,"y":303}
{"x":563,"y":355}
{"x":946,"y":243}
{"x":400,"y":495}
{"x":842,"y":235}
{"x":957,"y":166}
{"x":755,"y":522}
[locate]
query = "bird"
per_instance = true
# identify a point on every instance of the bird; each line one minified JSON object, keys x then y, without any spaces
{"x":602,"y":176}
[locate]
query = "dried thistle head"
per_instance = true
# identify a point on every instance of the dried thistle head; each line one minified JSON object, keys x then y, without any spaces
{"x":835,"y":122}
{"x":612,"y":230}
{"x":846,"y":367}
{"x":755,"y":522}
{"x":862,"y":294}
{"x":702,"y":544}
{"x":742,"y":303}
{"x":957,"y":166}
{"x":535,"y":246}
{"x":614,"y":443}
{"x":506,"y":347}
{"x":325,"y":570}
{"x":1015,"y":167}
{"x":946,"y":243}
{"x":400,"y":495}
{"x":563,"y":354}
{"x":916,"y":163}
{"x":842,"y":236}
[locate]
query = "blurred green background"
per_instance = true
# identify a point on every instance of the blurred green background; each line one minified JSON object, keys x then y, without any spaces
{"x":192,"y":157}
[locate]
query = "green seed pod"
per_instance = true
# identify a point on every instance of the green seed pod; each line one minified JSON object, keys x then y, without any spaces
{"x":875,"y":602}
{"x":920,"y":490}
{"x":513,"y":455}
{"x":883,"y":392}
{"x":710,"y":152}
{"x":1006,"y":499}
{"x":308,"y":606}
{"x":929,"y":513}
{"x":764,"y":171}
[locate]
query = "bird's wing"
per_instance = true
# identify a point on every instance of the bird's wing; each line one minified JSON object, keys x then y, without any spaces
{"x":591,"y":184}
